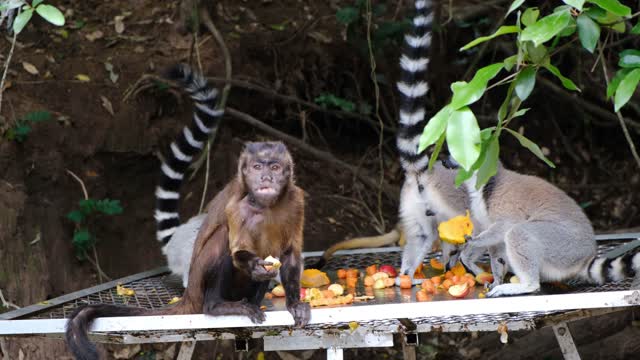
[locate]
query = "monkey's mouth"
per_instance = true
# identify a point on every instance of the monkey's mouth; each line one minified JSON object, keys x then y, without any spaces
{"x":266,"y":190}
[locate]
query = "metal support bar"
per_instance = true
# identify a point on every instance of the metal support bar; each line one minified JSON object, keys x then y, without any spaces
{"x":335,"y":353}
{"x":186,"y":350}
{"x":565,"y":340}
{"x":358,"y":339}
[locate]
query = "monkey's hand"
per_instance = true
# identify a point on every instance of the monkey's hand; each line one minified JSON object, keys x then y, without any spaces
{"x":260,"y":273}
{"x":301,"y":312}
{"x":242,"y":307}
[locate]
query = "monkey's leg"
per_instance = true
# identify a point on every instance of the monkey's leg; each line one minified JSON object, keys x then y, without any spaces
{"x":523,"y":256}
{"x":218,"y":282}
{"x":290,"y":273}
{"x":258,"y":290}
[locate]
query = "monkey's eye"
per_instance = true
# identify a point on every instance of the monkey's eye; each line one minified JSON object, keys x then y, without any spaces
{"x":275,"y":167}
{"x":257,"y":166}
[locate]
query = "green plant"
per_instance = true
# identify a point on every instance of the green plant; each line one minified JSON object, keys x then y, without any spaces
{"x":22,"y":127}
{"x":83,"y":240}
{"x":538,"y":42}
{"x":46,"y":11}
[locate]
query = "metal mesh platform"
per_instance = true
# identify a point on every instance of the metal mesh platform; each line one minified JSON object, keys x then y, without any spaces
{"x":393,"y":310}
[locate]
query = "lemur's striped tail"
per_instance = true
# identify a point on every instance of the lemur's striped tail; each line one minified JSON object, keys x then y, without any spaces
{"x":413,"y":88}
{"x":189,"y":143}
{"x":602,"y":270}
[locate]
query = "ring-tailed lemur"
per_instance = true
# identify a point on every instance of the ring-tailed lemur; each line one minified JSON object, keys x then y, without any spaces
{"x":427,"y":197}
{"x":177,"y":238}
{"x":539,"y":233}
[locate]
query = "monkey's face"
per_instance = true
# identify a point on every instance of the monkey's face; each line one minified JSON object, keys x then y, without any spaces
{"x":266,"y":169}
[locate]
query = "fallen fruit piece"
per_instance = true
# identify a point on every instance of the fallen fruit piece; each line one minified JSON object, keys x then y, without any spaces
{"x":123,"y":291}
{"x":353,"y":325}
{"x":313,"y":278}
{"x":422,"y":296}
{"x":471,"y":282}
{"x":313,"y":293}
{"x":368,"y":281}
{"x":174,"y":300}
{"x":352,"y":281}
{"x":337,"y":289}
{"x":428,"y":287}
{"x":340,"y":300}
{"x":484,"y":277}
{"x":370,"y":270}
{"x":353,"y":273}
{"x":447,"y":284}
{"x":459,"y":291}
{"x":481,"y":296}
{"x":389,"y":282}
{"x":459,"y":269}
{"x":514,"y":280}
{"x":436,"y":264}
{"x":390,"y":270}
{"x":379,"y":284}
{"x":364,"y":298}
{"x":328,"y":294}
{"x":405,"y":282}
{"x":342,"y":274}
{"x":436,"y":280}
{"x":276,"y":263}
{"x":448,"y":275}
{"x":278,"y":291}
{"x":456,"y":230}
{"x":379,"y":276}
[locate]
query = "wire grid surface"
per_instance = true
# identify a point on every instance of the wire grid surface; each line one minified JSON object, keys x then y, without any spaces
{"x":156,"y":292}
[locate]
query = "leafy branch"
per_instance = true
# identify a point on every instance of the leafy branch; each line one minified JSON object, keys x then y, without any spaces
{"x":538,"y":41}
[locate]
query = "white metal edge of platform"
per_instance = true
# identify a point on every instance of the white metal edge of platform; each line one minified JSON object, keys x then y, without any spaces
{"x":321,"y":316}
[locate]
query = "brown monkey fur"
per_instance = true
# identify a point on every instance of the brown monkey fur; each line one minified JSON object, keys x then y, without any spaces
{"x":258,"y":213}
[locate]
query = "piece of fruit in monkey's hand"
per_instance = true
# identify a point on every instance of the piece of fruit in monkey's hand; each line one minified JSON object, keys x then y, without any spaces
{"x":456,"y":230}
{"x":276,"y":263}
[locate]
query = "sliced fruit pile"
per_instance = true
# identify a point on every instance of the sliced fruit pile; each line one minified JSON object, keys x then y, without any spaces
{"x":317,"y":289}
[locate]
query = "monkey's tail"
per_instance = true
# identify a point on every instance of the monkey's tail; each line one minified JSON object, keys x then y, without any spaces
{"x":79,"y":322}
{"x":189,"y":143}
{"x":413,"y":88}
{"x":389,"y":238}
{"x":602,"y":269}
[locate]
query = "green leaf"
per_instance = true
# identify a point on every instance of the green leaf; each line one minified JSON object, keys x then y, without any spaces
{"x":51,"y":14}
{"x":636,"y":29}
{"x":530,"y":16}
{"x":520,"y":112}
{"x":37,"y":116}
{"x":502,"y":30}
{"x":75,"y":216}
{"x":347,"y":15}
{"x":629,"y":58}
{"x":82,"y":238}
{"x":537,"y":54}
{"x":626,"y":89}
{"x":525,"y":82}
{"x":21,"y":20}
{"x":109,"y":207}
{"x":613,"y":6}
{"x":575,"y":3}
{"x":436,"y":150}
{"x":87,"y":206}
{"x":19,"y":132}
{"x":588,"y":32}
{"x":619,"y":27}
{"x":435,"y":128}
{"x":569,"y":30}
{"x":462,"y":176}
{"x":463,"y":137}
{"x":533,"y":147}
{"x":330,"y":99}
{"x":504,"y":107}
{"x":35,"y":3}
{"x":566,"y":82}
{"x":613,"y":85}
{"x":514,"y":5}
{"x":465,"y":94}
{"x":601,"y":16}
{"x":485,"y":134}
{"x":510,"y":62}
{"x":546,"y":28}
{"x":489,"y":165}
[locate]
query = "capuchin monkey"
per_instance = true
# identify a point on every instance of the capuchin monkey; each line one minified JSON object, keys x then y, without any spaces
{"x":259,"y":213}
{"x":539,"y":233}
